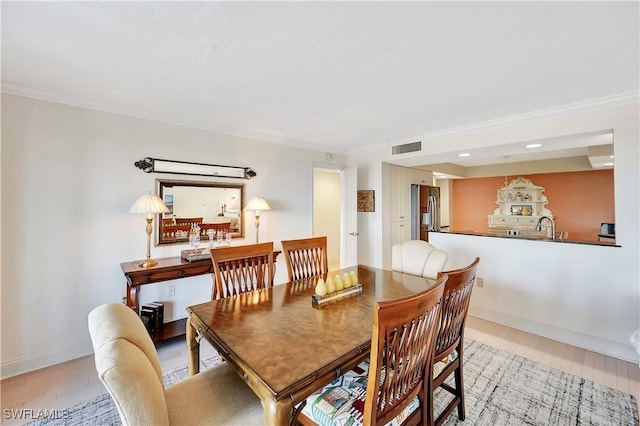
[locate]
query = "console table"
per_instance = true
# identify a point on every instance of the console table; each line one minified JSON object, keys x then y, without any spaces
{"x":168,"y":268}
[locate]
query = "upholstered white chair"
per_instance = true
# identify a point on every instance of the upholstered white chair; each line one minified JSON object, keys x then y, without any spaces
{"x":417,"y":257}
{"x":128,"y":366}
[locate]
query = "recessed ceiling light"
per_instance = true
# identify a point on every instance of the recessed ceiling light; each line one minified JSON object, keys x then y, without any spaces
{"x":533,"y":145}
{"x":464,"y":154}
{"x":611,"y":156}
{"x":607,"y":164}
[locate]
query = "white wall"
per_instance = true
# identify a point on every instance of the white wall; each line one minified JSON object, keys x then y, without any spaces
{"x":563,"y":291}
{"x":371,"y":175}
{"x":599,"y":286}
{"x":68,"y":181}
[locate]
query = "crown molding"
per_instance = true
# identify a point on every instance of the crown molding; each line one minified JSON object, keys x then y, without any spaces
{"x":574,"y":108}
{"x":29,"y":92}
{"x":557,"y":111}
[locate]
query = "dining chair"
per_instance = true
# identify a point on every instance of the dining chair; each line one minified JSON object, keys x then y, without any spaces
{"x":188,"y":220}
{"x":395,"y":383}
{"x":305,"y":257}
{"x":171,"y":232}
{"x":449,"y":348}
{"x":241,"y":269}
{"x":225,"y":227}
{"x":128,"y":365}
{"x":418,"y":257}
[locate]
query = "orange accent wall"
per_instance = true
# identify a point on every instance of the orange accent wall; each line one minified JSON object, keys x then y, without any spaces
{"x":579,"y":201}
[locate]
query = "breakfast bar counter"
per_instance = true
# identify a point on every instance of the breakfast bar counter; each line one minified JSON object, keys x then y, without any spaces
{"x":526,"y":235}
{"x":582,"y":293}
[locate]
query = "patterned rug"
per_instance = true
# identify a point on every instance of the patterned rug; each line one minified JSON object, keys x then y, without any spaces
{"x":500,"y":389}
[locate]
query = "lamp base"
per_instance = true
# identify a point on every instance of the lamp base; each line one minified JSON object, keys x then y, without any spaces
{"x":148,"y":263}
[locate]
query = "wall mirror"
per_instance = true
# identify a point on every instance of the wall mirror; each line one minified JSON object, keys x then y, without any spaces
{"x":215,"y":206}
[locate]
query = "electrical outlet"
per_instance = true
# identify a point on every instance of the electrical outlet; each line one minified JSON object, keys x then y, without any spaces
{"x":480,"y":282}
{"x":171,"y":292}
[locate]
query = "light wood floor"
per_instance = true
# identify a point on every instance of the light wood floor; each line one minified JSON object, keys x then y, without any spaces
{"x":64,"y":385}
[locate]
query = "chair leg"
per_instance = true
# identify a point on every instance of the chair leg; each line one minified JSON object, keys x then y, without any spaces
{"x":460,"y":391}
{"x":428,"y":415}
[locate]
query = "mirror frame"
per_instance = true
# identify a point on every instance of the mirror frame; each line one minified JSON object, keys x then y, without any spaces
{"x":161,"y":184}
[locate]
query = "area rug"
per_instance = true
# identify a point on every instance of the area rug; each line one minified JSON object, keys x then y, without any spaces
{"x":500,"y":389}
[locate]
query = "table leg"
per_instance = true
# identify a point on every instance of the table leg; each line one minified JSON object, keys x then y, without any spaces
{"x":193,"y":348}
{"x":132,"y":297}
{"x":278,"y":412}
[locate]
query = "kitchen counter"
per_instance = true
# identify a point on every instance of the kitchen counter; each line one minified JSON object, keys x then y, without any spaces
{"x":528,"y":235}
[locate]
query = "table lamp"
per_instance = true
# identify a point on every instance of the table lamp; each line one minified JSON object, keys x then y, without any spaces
{"x":150,"y":205}
{"x":257,"y":203}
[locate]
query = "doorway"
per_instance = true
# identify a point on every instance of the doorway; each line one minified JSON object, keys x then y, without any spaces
{"x":326,"y":211}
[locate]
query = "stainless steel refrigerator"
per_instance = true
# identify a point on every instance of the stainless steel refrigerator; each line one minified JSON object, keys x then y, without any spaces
{"x":425,"y":211}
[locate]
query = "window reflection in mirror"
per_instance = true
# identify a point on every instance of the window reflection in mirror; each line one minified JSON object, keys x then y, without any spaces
{"x":214,"y":206}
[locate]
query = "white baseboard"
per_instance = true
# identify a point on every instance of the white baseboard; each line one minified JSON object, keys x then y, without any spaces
{"x":27,"y":364}
{"x":584,"y":341}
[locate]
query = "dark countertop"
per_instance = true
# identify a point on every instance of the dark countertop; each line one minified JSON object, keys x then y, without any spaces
{"x":607,"y":236}
{"x":525,"y":237}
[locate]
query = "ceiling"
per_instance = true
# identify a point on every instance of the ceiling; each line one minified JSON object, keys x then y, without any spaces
{"x":335,"y":76}
{"x":575,"y":145}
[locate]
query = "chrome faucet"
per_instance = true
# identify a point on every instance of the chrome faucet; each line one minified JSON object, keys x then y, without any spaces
{"x":553,"y":226}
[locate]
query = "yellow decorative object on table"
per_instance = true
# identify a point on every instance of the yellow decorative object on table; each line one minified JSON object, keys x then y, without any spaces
{"x":338,"y":282}
{"x":317,"y":300}
{"x":331,"y":285}
{"x":321,"y":288}
{"x":346,"y":280}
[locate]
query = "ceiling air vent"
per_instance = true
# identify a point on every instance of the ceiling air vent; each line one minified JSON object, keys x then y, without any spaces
{"x":407,"y":147}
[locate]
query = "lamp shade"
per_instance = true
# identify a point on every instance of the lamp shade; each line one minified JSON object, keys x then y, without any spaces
{"x":257,"y":204}
{"x":148,"y":204}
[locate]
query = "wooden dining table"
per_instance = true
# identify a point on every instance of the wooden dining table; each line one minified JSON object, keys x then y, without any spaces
{"x":285,"y":347}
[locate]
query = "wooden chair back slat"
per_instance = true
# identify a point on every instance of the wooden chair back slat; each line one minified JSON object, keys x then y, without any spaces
{"x":170,"y":232}
{"x":402,"y":344}
{"x":188,"y":220}
{"x":225,"y":227}
{"x":305,"y":257}
{"x":455,"y":304}
{"x":241,"y":269}
{"x":457,"y":294}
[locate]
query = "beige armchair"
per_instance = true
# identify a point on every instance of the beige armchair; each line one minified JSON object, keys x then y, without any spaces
{"x":417,"y":257}
{"x":128,"y":366}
